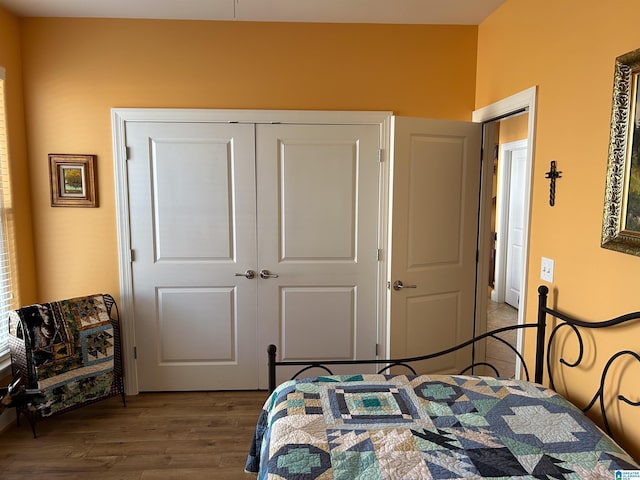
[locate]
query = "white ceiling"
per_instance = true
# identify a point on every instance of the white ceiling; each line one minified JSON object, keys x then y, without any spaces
{"x":452,"y":12}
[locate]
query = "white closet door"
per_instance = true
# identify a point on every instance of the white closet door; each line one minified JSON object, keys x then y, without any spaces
{"x":192,"y":220}
{"x":193,"y":186}
{"x":318,"y":231}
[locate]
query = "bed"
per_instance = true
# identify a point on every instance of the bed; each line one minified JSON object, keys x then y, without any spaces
{"x":390,"y":425}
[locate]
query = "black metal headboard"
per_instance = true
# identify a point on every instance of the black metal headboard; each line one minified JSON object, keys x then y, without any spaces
{"x":577,"y":327}
{"x":544,"y":348}
{"x":386,"y":364}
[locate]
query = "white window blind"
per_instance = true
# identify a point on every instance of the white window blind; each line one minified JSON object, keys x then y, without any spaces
{"x":6,"y":230}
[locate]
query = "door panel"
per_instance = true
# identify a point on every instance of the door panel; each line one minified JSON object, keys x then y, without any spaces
{"x":196,"y":184}
{"x":420,"y":337}
{"x":329,"y":320}
{"x":436,"y":180}
{"x":192,"y":218}
{"x":318,"y":223}
{"x":180,"y":311}
{"x":317,"y":188}
{"x":434,"y":233}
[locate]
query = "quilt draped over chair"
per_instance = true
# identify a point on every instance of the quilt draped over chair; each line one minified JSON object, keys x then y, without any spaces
{"x":67,"y":353}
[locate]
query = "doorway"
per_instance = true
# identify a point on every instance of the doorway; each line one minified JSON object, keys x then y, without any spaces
{"x":508,"y":138}
{"x":507,"y":227}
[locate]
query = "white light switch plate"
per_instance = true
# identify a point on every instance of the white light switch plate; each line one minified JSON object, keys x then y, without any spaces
{"x":546,"y":269}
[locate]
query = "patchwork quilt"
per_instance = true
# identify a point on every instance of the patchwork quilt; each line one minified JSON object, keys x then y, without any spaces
{"x":70,"y":350}
{"x":427,"y":427}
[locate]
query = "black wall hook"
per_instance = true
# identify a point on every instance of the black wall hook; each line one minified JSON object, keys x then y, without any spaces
{"x":552,"y":174}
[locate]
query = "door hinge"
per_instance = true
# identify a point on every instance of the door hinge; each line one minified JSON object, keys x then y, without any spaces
{"x":379,"y":254}
{"x":135,"y":353}
{"x":128,"y":153}
{"x":132,"y":255}
{"x":380,"y":155}
{"x":377,"y":349}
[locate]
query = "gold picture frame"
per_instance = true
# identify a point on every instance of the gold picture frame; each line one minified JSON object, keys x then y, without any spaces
{"x":621,"y":218}
{"x":74,"y":180}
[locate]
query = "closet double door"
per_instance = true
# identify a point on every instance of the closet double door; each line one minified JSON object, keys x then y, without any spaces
{"x":245,"y":235}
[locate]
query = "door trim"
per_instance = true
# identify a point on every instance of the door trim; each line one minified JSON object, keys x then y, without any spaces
{"x":525,"y":99}
{"x":121,"y":116}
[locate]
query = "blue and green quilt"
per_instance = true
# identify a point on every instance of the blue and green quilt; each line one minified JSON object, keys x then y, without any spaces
{"x":427,"y":427}
{"x":70,"y":349}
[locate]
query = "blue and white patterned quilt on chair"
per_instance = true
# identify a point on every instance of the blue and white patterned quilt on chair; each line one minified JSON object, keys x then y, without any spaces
{"x":70,"y":346}
{"x":427,"y":427}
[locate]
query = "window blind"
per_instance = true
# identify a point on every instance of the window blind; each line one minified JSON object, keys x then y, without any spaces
{"x":6,"y":296}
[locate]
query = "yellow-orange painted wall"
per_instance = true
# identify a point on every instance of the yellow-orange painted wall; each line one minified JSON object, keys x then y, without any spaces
{"x":76,"y":70}
{"x":568,"y":50}
{"x":513,"y":129}
{"x":10,"y":59}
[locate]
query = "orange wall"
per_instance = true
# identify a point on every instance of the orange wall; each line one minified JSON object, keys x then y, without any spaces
{"x":568,"y":50}
{"x":513,"y":129}
{"x":10,"y":59}
{"x":76,"y":70}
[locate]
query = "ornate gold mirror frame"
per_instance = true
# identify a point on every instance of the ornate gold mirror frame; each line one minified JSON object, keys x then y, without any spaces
{"x":621,"y":220}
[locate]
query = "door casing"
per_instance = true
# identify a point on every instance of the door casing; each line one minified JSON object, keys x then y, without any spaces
{"x":524,"y":100}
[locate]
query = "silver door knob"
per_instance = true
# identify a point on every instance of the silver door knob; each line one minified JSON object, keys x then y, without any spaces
{"x":248,"y":274}
{"x":268,"y":274}
{"x":398,"y":285}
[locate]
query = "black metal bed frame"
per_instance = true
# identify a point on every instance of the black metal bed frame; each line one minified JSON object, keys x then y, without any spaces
{"x":543,"y":353}
{"x":575,"y":325}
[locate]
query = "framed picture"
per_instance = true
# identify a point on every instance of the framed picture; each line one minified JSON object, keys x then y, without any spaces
{"x":74,"y":180}
{"x":621,"y":218}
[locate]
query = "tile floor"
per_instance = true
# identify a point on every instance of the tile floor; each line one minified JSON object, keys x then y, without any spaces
{"x":501,"y":315}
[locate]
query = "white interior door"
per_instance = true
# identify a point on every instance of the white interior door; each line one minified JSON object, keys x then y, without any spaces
{"x":318,"y":229}
{"x":192,"y":221}
{"x":197,"y":225}
{"x":514,"y":158}
{"x":436,"y":181}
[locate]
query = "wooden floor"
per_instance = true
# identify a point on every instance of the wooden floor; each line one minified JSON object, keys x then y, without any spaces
{"x":156,"y":436}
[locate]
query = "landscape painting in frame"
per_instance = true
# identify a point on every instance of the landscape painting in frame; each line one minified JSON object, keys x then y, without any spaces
{"x":73,"y":180}
{"x":621,"y":214}
{"x":632,"y":210}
